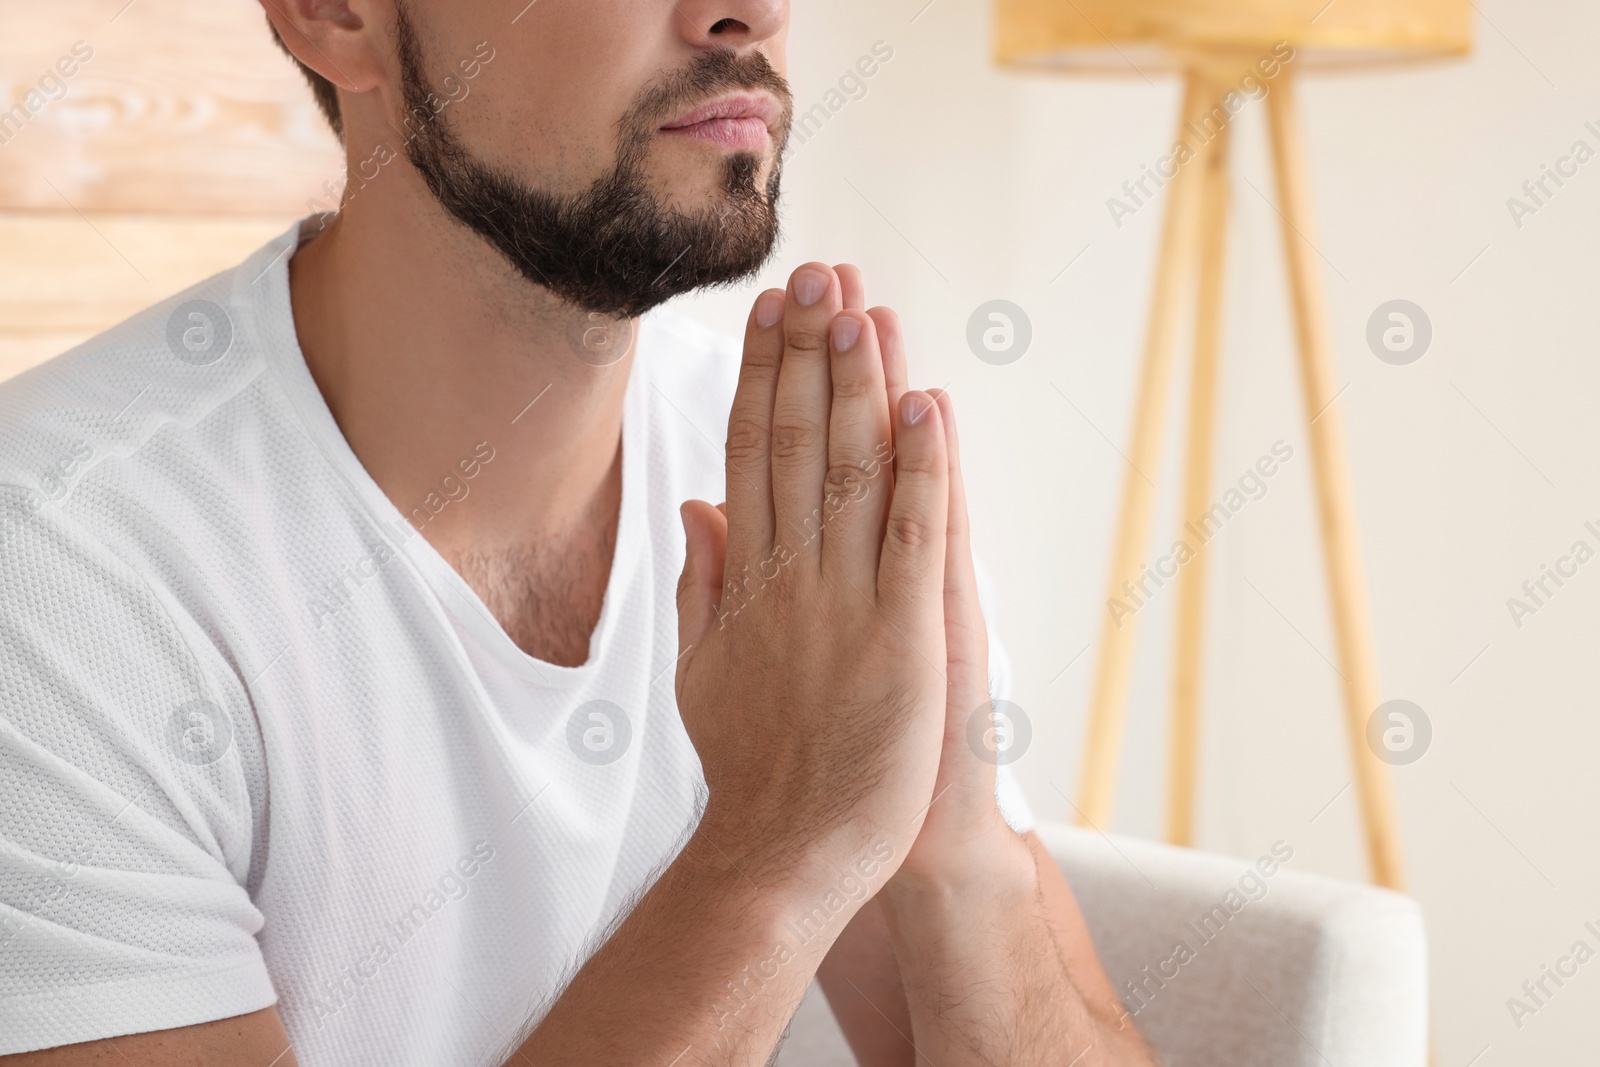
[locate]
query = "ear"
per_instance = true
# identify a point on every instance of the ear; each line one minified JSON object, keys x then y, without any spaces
{"x":341,"y":40}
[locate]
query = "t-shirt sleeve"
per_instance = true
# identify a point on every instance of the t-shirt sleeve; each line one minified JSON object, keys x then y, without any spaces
{"x":130,"y":782}
{"x":1007,"y":790}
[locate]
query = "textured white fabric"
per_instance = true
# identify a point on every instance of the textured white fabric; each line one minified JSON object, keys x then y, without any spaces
{"x":259,"y":743}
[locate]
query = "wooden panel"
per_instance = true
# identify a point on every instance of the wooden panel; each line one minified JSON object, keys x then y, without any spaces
{"x":64,"y":278}
{"x":1108,"y":34}
{"x":184,"y":106}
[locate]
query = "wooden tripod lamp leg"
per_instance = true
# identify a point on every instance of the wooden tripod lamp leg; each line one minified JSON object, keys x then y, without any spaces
{"x":1109,"y":697}
{"x":1335,"y":502}
{"x":1183,"y":743}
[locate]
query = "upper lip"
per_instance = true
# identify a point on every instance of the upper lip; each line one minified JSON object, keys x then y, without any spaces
{"x":742,"y":106}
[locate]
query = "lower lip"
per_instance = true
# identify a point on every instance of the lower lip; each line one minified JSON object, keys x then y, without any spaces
{"x":748,"y":133}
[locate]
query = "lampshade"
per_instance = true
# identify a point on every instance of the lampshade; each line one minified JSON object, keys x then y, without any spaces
{"x":1146,"y":35}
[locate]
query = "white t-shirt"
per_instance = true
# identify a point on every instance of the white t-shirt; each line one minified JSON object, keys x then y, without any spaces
{"x":260,"y":744}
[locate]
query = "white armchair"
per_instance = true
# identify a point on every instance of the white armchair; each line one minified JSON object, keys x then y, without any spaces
{"x":1294,"y":970}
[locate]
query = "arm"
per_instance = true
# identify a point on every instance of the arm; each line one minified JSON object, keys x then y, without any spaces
{"x":254,"y":1040}
{"x":862,"y":977}
{"x":991,"y":974}
{"x":994,"y":957}
{"x":660,"y":990}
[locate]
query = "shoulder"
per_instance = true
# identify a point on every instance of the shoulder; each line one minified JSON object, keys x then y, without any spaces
{"x":136,"y":421}
{"x":122,"y":464}
{"x":106,"y":468}
{"x":148,"y":381}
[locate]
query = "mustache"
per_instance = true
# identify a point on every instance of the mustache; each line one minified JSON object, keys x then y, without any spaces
{"x":709,"y":74}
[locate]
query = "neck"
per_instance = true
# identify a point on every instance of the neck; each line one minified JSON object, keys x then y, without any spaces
{"x":429,"y":350}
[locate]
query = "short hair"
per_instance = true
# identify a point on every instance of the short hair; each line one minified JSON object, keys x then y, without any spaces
{"x":326,"y":93}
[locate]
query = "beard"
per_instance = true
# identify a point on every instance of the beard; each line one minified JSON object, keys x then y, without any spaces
{"x":614,"y":250}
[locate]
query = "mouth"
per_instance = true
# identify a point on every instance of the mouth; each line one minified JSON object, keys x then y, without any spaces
{"x":741,"y":123}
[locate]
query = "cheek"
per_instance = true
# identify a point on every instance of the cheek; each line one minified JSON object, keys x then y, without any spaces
{"x":547,"y":107}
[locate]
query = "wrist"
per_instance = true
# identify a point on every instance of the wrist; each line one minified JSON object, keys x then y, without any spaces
{"x":956,"y":930}
{"x":994,"y":869}
{"x":807,"y":887}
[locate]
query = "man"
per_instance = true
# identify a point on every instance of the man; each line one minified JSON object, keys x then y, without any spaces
{"x":348,"y":714}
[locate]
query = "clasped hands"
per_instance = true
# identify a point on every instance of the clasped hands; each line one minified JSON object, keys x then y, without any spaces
{"x":832,"y":650}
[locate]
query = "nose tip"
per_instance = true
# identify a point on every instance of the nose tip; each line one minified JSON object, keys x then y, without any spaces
{"x":732,"y":23}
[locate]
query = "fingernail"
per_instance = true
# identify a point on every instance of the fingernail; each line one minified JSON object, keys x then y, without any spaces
{"x":809,"y":286}
{"x":845,"y":332}
{"x":769,"y":308}
{"x":913,"y":406}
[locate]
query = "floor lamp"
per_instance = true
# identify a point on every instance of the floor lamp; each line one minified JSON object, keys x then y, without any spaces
{"x":1215,"y":44}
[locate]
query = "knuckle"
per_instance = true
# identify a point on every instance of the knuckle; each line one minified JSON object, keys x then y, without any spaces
{"x":848,"y":386}
{"x":794,"y":437}
{"x":758,"y":375}
{"x":920,"y":465}
{"x":843,"y":482}
{"x":805,"y":341}
{"x":747,"y":440}
{"x":760,"y":362}
{"x":910,"y":530}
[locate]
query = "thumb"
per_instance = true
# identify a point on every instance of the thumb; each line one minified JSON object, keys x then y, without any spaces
{"x":705,"y":532}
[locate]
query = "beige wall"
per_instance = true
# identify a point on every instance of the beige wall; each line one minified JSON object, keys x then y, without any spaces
{"x":953,"y":184}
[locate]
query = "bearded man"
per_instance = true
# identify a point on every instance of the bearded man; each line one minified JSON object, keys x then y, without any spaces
{"x":369,"y":694}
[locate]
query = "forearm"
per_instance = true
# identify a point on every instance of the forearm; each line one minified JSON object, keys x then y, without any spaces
{"x":984,"y":970}
{"x":714,"y":960}
{"x":706,"y":969}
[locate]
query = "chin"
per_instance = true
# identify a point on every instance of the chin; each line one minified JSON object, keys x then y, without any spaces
{"x":708,"y":183}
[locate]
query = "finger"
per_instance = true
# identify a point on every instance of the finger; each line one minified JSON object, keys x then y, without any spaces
{"x":749,"y":463}
{"x":965,"y":631}
{"x":961,"y":579}
{"x":852,"y":286}
{"x":892,"y":341}
{"x":705,"y":533}
{"x":800,"y":409}
{"x":856,"y":494}
{"x":911,"y":567}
